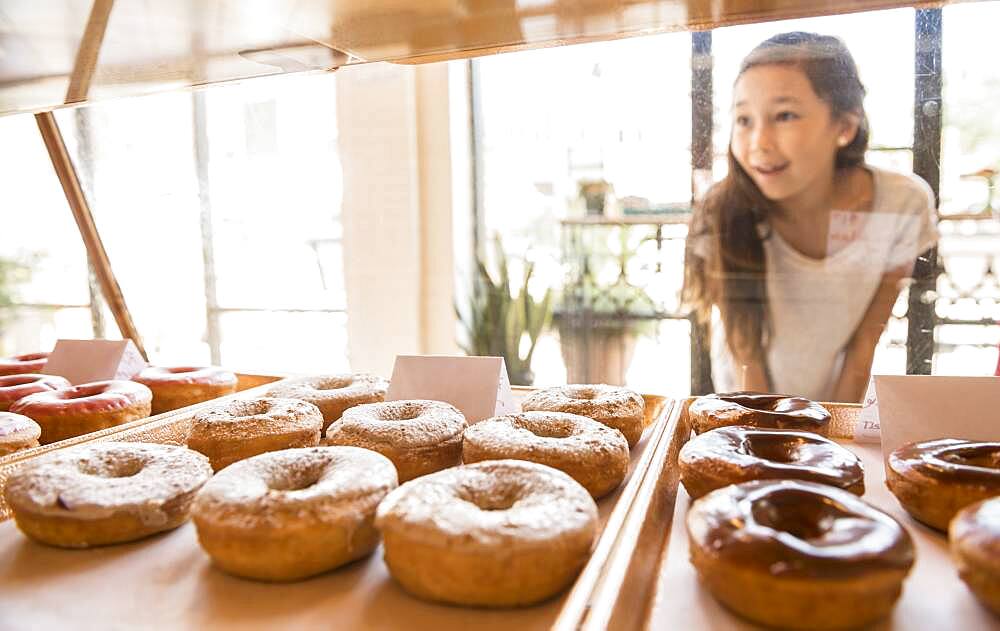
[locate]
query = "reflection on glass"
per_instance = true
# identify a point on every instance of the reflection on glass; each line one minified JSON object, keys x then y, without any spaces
{"x":798,"y":254}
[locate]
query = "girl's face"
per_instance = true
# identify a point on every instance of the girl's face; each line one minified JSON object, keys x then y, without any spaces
{"x":784,"y":135}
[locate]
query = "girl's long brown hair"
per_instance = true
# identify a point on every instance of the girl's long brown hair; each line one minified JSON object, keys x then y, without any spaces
{"x":732,"y":277}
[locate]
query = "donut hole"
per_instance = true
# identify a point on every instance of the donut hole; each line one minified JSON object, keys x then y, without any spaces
{"x":495,"y":499}
{"x":584,"y":395}
{"x":550,"y":429}
{"x":762,"y":402}
{"x":250,"y":408}
{"x":401,"y":413}
{"x":296,"y":479}
{"x":986,"y":456}
{"x":82,"y":392}
{"x":802,"y":515}
{"x":181,"y":370}
{"x":781,"y":449}
{"x":120,"y":467}
{"x":332,"y":384}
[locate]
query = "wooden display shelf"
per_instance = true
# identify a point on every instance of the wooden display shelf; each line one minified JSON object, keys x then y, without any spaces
{"x":167,"y":582}
{"x":73,"y":51}
{"x":649,"y":583}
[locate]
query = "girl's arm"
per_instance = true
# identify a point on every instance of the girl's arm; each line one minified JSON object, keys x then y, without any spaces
{"x":754,"y":377}
{"x":860,"y":350}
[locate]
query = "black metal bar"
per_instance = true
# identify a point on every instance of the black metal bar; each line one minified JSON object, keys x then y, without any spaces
{"x":926,"y":164}
{"x":701,"y":161}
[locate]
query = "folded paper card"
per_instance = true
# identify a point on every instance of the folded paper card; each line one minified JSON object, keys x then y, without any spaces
{"x":477,"y":386}
{"x":925,"y":407}
{"x":84,"y":361}
{"x":867,"y":429}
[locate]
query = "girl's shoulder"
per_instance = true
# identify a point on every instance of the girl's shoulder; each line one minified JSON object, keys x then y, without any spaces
{"x":900,"y":192}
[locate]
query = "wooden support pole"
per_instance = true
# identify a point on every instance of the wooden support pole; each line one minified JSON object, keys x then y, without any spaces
{"x":88,"y":229}
{"x":89,"y":51}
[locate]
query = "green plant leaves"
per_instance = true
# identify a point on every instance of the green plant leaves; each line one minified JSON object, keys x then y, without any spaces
{"x":498,"y":319}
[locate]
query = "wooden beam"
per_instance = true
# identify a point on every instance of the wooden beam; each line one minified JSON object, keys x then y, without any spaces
{"x":89,"y":51}
{"x":88,"y":229}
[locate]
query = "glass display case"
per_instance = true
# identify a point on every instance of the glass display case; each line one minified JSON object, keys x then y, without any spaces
{"x":314,"y":186}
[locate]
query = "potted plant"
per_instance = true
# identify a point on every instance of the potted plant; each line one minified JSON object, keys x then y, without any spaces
{"x":497,"y":318}
{"x":12,"y":273}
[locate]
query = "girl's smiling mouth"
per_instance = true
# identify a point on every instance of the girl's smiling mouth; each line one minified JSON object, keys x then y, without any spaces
{"x":771,"y":169}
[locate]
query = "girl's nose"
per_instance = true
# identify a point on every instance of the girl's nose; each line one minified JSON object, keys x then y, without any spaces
{"x":761,"y":138}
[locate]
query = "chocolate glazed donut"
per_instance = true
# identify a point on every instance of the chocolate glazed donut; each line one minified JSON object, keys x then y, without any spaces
{"x":730,"y":455}
{"x":975,"y":543}
{"x":798,"y":555}
{"x":935,"y":479}
{"x":753,"y":409}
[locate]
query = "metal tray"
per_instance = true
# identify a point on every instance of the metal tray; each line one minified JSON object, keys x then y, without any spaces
{"x":167,"y":581}
{"x":649,"y":583}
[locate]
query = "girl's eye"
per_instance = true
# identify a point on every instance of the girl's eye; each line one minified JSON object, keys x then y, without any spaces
{"x":743,"y":121}
{"x":786,"y":116}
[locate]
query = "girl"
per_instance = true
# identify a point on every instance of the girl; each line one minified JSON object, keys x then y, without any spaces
{"x":800,"y":251}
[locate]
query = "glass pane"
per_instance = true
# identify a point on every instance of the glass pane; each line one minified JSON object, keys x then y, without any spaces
{"x":601,"y":116}
{"x":886,"y":71}
{"x":43,"y":265}
{"x":212,"y":201}
{"x":269,"y":342}
{"x":134,"y":158}
{"x":969,"y":294}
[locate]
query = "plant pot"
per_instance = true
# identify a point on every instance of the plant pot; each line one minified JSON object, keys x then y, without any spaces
{"x":520,"y":377}
{"x":600,"y":354}
{"x":595,"y":203}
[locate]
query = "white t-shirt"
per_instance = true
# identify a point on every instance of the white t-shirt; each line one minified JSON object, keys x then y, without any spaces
{"x":816,"y":305}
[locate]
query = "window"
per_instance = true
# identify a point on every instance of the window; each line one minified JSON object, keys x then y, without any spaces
{"x":44,"y":287}
{"x":220,"y":214}
{"x":613,"y":111}
{"x":620,"y":112}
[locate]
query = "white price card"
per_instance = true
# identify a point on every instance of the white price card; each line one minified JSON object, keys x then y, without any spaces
{"x":477,"y":386}
{"x":86,"y":361}
{"x":925,"y":407}
{"x":868,"y":429}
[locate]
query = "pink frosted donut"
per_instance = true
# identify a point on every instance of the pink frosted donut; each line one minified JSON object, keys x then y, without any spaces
{"x":181,"y":386}
{"x":15,"y":387}
{"x":20,"y":364}
{"x":17,"y":432}
{"x":85,"y":408}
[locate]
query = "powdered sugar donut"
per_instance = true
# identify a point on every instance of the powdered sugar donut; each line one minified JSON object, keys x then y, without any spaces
{"x":616,"y":407}
{"x":290,"y":514}
{"x":17,"y":432}
{"x":418,"y":436}
{"x":105,"y":493}
{"x":501,"y":533}
{"x":333,"y":394}
{"x":592,"y":453}
{"x":232,"y":431}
